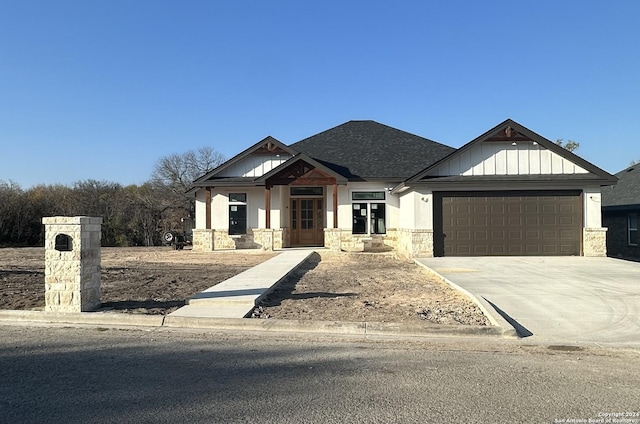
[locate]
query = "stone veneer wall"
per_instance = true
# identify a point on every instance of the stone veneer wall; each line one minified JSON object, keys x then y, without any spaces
{"x":269,"y":239}
{"x":415,"y":243}
{"x":594,"y":241}
{"x":202,"y":240}
{"x":72,"y":277}
{"x":210,"y":240}
{"x":256,"y":238}
{"x":341,"y":239}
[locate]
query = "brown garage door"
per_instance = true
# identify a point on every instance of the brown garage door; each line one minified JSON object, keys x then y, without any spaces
{"x":507,"y":223}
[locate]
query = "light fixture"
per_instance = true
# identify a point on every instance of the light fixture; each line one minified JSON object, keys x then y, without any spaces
{"x":514,"y":144}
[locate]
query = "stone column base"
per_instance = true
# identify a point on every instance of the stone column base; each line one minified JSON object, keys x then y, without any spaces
{"x":202,"y":240}
{"x":269,"y":238}
{"x":413,"y":243}
{"x":594,"y":241}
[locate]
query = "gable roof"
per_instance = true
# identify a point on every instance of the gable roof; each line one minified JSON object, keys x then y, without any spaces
{"x":626,"y":192}
{"x":301,"y":157}
{"x":266,"y":145}
{"x":510,"y":130}
{"x":368,"y":150}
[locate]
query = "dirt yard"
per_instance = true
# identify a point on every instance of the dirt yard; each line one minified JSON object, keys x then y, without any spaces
{"x":155,"y":280}
{"x":367,"y":287}
{"x":330,"y":286}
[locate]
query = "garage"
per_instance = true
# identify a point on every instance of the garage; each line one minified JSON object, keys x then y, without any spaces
{"x":503,"y":223}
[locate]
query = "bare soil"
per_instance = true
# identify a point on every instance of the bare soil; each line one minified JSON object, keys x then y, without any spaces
{"x":330,"y":286}
{"x":147,"y":280}
{"x":367,"y":287}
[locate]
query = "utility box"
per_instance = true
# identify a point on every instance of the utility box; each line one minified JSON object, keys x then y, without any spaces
{"x":72,"y":263}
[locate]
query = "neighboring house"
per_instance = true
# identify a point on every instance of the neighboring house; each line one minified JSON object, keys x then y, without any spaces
{"x":366,"y":186}
{"x":620,"y":212}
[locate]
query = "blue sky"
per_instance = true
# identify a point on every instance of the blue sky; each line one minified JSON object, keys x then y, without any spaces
{"x":97,"y":89}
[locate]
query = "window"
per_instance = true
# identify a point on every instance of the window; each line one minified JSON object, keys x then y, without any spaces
{"x":306,"y":191}
{"x":237,"y":213}
{"x":632,"y":225}
{"x":237,"y":197}
{"x":368,"y":214}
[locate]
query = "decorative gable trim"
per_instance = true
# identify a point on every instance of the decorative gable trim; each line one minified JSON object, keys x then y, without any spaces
{"x":301,"y":170}
{"x":266,"y":146}
{"x":511,"y":138}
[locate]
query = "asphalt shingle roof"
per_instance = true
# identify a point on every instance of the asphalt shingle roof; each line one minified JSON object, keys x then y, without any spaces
{"x":626,"y":191}
{"x":362,"y":150}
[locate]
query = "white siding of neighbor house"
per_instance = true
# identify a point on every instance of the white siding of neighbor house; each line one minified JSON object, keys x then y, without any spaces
{"x":254,"y":166}
{"x":496,"y":158}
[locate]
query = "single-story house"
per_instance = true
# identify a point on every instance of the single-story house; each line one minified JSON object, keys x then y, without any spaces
{"x":620,"y":212}
{"x":366,"y":186}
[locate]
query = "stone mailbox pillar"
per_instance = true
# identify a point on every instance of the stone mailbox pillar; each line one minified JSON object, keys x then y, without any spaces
{"x":72,"y":263}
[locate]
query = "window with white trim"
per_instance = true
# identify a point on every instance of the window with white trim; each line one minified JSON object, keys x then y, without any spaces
{"x":237,"y":213}
{"x":632,"y":226}
{"x":369,"y":212}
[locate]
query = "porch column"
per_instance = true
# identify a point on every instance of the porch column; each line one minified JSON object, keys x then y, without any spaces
{"x":267,"y":206}
{"x":207,"y":203}
{"x":335,"y":205}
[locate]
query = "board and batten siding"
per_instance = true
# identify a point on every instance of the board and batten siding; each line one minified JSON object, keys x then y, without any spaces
{"x":254,"y":166}
{"x":496,"y":158}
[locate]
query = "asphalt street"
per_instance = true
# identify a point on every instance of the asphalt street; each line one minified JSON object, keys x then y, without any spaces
{"x":60,"y":374}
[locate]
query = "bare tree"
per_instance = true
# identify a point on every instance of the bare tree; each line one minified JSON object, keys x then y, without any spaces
{"x":173,"y":176}
{"x":570,"y":145}
{"x":178,"y":171}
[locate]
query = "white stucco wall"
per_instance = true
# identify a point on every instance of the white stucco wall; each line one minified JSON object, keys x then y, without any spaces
{"x":416,"y":209}
{"x":219,"y":209}
{"x":200,"y":209}
{"x":592,"y":207}
{"x":345,"y":210}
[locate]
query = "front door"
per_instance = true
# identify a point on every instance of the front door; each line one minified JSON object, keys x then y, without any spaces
{"x":307,"y":225}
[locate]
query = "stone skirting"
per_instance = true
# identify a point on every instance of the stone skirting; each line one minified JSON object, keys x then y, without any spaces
{"x":210,"y":240}
{"x":269,"y":239}
{"x":72,"y":263}
{"x":202,"y":240}
{"x":341,"y":239}
{"x":594,"y":242}
{"x":414,"y":243}
{"x":257,"y":238}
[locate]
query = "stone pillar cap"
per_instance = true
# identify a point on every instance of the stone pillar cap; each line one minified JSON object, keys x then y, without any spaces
{"x":49,"y":220}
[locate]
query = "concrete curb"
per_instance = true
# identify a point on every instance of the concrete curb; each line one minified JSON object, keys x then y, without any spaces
{"x":97,"y":318}
{"x":247,"y":324}
{"x":494,"y":318}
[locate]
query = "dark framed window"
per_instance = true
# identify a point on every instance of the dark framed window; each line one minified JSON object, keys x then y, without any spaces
{"x":306,"y":191}
{"x":238,"y":197}
{"x":632,"y":226}
{"x":367,"y":195}
{"x":369,"y":218}
{"x":237,"y":213}
{"x":360,"y":212}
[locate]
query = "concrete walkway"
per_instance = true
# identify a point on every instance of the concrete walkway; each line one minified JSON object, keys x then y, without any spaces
{"x":238,"y":296}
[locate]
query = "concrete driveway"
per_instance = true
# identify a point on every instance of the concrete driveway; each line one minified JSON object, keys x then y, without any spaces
{"x":554,"y":299}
